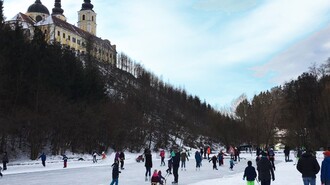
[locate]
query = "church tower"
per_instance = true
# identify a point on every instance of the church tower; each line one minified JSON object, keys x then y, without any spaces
{"x":58,"y":11}
{"x":87,"y":18}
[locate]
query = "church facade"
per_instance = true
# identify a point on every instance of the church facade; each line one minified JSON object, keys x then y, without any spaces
{"x":57,"y":29}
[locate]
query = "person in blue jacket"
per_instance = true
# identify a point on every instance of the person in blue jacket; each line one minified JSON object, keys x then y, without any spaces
{"x":250,"y":174}
{"x":43,"y":159}
{"x":198,"y":158}
{"x":325,"y":169}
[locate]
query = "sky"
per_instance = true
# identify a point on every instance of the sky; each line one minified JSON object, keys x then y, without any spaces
{"x":214,"y":49}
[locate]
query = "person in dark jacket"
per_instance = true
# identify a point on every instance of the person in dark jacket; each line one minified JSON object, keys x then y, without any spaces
{"x":214,"y":160}
{"x":265,"y":170}
{"x":198,"y":158}
{"x":250,"y":174}
{"x":0,"y":171}
{"x":65,"y":161}
{"x":148,"y":163}
{"x":121,"y":158}
{"x":325,"y":169}
{"x":308,"y":167}
{"x":5,"y":160}
{"x":115,"y":173}
{"x":176,"y":164}
{"x":43,"y":159}
{"x":287,"y":153}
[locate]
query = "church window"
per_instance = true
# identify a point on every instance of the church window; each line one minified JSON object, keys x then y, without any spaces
{"x":83,"y":17}
{"x":92,"y":18}
{"x":69,"y":38}
{"x":58,"y":33}
{"x":78,"y":42}
{"x":63,"y":35}
{"x":73,"y":40}
{"x":38,"y":18}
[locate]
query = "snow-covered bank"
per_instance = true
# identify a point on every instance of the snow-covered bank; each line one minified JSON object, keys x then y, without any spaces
{"x":87,"y":173}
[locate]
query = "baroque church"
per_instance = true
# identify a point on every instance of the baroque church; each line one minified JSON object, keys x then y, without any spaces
{"x":57,"y":29}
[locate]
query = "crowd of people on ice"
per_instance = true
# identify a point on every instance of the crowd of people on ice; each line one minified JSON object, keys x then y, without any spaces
{"x":306,"y":164}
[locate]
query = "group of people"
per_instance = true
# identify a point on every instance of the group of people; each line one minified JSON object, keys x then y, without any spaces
{"x":308,"y":166}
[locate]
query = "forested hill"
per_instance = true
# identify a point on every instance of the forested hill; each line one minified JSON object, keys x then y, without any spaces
{"x":49,"y":98}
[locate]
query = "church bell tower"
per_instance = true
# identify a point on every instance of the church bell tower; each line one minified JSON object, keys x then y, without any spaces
{"x":87,"y":18}
{"x":58,"y":11}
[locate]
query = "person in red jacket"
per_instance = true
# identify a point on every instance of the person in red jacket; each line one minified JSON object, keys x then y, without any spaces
{"x":155,"y":177}
{"x":162,"y":156}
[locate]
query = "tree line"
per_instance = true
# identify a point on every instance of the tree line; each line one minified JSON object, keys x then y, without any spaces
{"x":296,"y":114}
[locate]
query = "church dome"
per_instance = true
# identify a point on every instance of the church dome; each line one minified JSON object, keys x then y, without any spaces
{"x":38,"y":7}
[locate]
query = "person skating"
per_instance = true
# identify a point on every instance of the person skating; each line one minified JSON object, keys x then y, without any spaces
{"x":198,"y":158}
{"x":308,"y":167}
{"x":94,"y":157}
{"x":148,"y":163}
{"x":208,"y":153}
{"x":161,"y":178}
{"x":155,"y":178}
{"x":271,"y":157}
{"x":184,"y":157}
{"x":162,"y":156}
{"x":115,"y":173}
{"x":122,"y":159}
{"x":176,"y":164}
{"x":43,"y":159}
{"x":265,"y":170}
{"x":65,"y":161}
{"x":214,"y":160}
{"x":169,"y":165}
{"x":220,"y":157}
{"x":5,"y":160}
{"x":231,"y":163}
{"x":250,"y":174}
{"x":287,"y":153}
{"x":1,"y":171}
{"x":325,"y":169}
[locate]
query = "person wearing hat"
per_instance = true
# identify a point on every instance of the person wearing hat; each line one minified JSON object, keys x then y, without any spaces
{"x":325,"y":169}
{"x":265,"y":170}
{"x":308,"y":167}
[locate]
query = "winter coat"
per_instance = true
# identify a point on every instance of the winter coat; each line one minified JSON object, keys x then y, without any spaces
{"x":286,"y":151}
{"x":42,"y":157}
{"x":198,"y":157}
{"x":162,"y":153}
{"x":265,"y":169}
{"x":308,"y":165}
{"x":148,"y":160}
{"x":325,"y":170}
{"x":65,"y":158}
{"x":155,"y":177}
{"x":208,"y":150}
{"x":250,"y":173}
{"x":115,"y":170}
{"x":214,"y":159}
{"x":122,"y":156}
{"x":184,"y":156}
{"x":5,"y":158}
{"x":176,"y":160}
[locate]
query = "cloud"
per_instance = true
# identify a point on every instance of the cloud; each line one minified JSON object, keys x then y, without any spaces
{"x":295,"y":60}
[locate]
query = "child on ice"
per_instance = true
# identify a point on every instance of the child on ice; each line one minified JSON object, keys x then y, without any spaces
{"x":161,"y":178}
{"x":155,"y":178}
{"x":231,"y":163}
{"x":250,"y":174}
